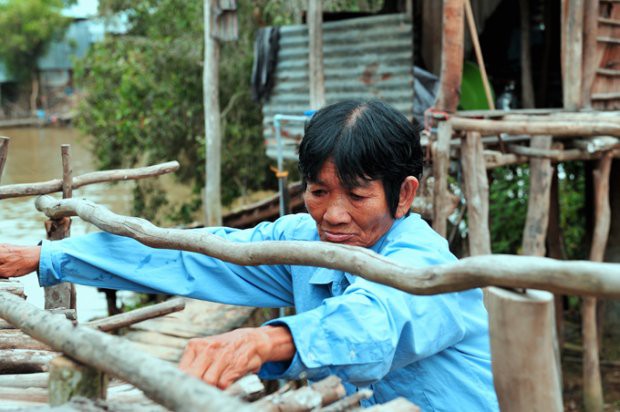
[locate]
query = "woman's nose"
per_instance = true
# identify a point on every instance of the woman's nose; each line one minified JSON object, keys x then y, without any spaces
{"x":336,"y":213}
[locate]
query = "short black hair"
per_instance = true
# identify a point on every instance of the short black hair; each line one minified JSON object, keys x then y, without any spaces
{"x":366,"y":140}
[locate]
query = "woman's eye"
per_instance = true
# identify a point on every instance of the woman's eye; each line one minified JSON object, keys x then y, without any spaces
{"x":317,"y":193}
{"x":355,"y":196}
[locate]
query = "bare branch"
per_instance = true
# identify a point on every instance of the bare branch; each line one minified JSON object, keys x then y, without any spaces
{"x":129,"y":318}
{"x":51,"y":186}
{"x":571,"y":278}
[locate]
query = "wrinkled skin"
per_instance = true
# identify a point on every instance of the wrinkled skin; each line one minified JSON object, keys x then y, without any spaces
{"x":18,"y":260}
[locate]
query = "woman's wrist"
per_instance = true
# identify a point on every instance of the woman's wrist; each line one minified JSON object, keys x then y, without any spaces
{"x":282,"y":344}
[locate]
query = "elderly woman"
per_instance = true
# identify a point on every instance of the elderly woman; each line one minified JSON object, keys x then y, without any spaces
{"x":360,"y":163}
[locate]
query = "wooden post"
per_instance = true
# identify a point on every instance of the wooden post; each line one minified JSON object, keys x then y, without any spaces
{"x":451,"y":56}
{"x":63,"y":294}
{"x":525,"y":369}
{"x":555,"y":246}
{"x":315,"y":54}
{"x":477,"y":194}
{"x":441,"y":164}
{"x":536,"y":223}
{"x":572,"y":49}
{"x":592,"y":386}
{"x":211,"y":103}
{"x":590,"y":63}
{"x":473,"y":31}
{"x":527,"y":89}
{"x":4,"y":148}
{"x":68,"y":379}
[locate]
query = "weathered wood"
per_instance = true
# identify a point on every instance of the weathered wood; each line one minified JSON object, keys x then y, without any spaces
{"x":306,"y":398}
{"x":592,"y":386}
{"x":606,"y":96}
{"x":29,"y":396}
{"x":611,"y":22}
{"x":67,"y":313}
{"x":451,"y":56}
{"x":441,"y":163}
{"x":160,"y":381}
{"x":61,"y":295}
{"x":12,"y":286}
{"x":525,"y":368}
{"x":552,"y":128}
{"x":211,"y":106}
{"x":24,"y":360}
{"x":590,"y":63}
{"x":348,"y":403}
{"x":315,"y":54}
{"x":556,"y":249}
{"x":527,"y":88}
{"x":476,"y":194}
{"x":522,"y":154}
{"x":24,"y":380}
{"x":16,"y":339}
{"x":51,"y":186}
{"x":247,"y":388}
{"x":608,"y":72}
{"x":571,"y":52}
{"x":67,"y":171}
{"x":473,"y":31}
{"x":4,"y":149}
{"x":138,"y":315}
{"x":69,"y":379}
{"x":537,"y":218}
{"x":575,"y":277}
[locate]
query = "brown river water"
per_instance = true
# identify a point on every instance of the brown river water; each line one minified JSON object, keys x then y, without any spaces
{"x":34,"y":156}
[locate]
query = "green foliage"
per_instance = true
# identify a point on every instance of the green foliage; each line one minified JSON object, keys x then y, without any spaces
{"x":143,"y":101}
{"x":572,"y":206}
{"x":28,"y":27}
{"x":508,"y":194}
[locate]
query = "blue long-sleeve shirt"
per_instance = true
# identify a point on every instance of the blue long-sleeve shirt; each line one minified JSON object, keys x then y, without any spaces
{"x":433,"y":350}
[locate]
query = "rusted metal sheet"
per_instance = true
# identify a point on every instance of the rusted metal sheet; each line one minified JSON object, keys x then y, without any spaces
{"x":369,"y":57}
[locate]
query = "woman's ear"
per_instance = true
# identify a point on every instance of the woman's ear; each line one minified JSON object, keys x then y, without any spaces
{"x":408,"y":189}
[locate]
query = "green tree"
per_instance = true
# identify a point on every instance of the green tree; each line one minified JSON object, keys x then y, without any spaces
{"x":28,"y":27}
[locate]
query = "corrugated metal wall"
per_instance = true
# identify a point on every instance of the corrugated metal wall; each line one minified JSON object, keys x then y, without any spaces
{"x":370,"y":57}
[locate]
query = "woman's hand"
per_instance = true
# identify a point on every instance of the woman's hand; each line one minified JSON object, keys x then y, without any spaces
{"x":18,"y":260}
{"x":222,"y":359}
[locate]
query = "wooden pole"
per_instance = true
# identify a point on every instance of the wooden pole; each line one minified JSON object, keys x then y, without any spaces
{"x":575,"y":277}
{"x":476,"y":194}
{"x":69,"y":379}
{"x":4,"y":149}
{"x":138,"y":315}
{"x":441,"y":164}
{"x":33,"y":189}
{"x":473,"y":31}
{"x":527,"y":89}
{"x":537,"y":220}
{"x":554,"y":128}
{"x":555,"y":247}
{"x":451,"y":56}
{"x":211,"y":103}
{"x":572,"y":49}
{"x":525,"y":368}
{"x":160,"y":381}
{"x":315,"y":54}
{"x":592,"y":386}
{"x":63,"y":294}
{"x":590,"y":64}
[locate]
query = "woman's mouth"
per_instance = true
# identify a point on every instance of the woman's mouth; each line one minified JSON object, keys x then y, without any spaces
{"x":337,"y":237}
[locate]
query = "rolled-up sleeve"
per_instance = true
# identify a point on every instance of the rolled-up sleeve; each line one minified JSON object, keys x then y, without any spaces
{"x":116,"y":262}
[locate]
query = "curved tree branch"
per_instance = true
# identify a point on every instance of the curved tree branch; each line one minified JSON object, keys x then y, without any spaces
{"x":55,"y":185}
{"x":571,"y":278}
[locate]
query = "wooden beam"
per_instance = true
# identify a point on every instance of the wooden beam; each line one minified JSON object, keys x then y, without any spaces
{"x":572,"y":51}
{"x":315,"y":54}
{"x":577,"y":278}
{"x":590,"y":61}
{"x":138,"y":315}
{"x":24,"y":360}
{"x":42,"y":188}
{"x":69,"y":379}
{"x":606,"y":96}
{"x":160,"y":381}
{"x":527,"y":88}
{"x":451,"y":56}
{"x":592,"y":386}
{"x":607,"y":39}
{"x":441,"y":164}
{"x":611,"y":22}
{"x":608,"y":72}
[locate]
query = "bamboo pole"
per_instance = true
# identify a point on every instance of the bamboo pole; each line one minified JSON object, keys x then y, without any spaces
{"x":476,"y":194}
{"x":4,"y":149}
{"x":451,"y":56}
{"x":315,"y":54}
{"x":552,"y":128}
{"x":159,"y":380}
{"x":441,"y":164}
{"x":575,"y":277}
{"x":211,"y":103}
{"x":593,"y":390}
{"x":473,"y":31}
{"x":33,"y":189}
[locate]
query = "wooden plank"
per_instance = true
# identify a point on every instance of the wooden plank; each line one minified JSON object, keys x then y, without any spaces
{"x":29,"y":396}
{"x":24,"y":380}
{"x":25,"y":360}
{"x":611,"y":22}
{"x":590,"y":61}
{"x":527,"y":87}
{"x":16,"y":339}
{"x":315,"y":54}
{"x":451,"y":56}
{"x":606,"y":96}
{"x":606,"y":39}
{"x":571,"y":51}
{"x":608,"y":72}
